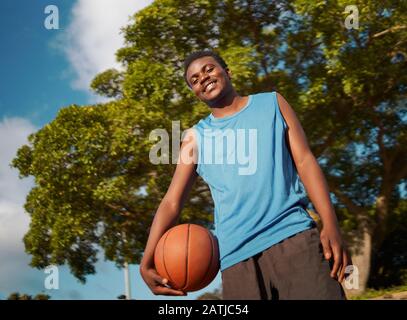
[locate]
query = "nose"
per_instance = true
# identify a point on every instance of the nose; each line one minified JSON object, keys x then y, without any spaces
{"x":203,"y":79}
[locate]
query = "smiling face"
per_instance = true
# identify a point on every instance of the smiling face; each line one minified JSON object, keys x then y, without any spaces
{"x":208,"y":80}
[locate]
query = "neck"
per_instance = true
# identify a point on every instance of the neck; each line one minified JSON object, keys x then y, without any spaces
{"x":227,"y":104}
{"x":228,"y":99}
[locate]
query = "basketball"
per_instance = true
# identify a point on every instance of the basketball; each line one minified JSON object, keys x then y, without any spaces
{"x":187,"y":255}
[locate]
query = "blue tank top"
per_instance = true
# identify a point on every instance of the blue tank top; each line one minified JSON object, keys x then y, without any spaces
{"x":258,"y":197}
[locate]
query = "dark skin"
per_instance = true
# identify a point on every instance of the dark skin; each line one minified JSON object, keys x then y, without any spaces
{"x":223,"y":100}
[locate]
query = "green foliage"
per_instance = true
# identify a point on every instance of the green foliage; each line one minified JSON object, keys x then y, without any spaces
{"x":138,"y":84}
{"x":374,"y":293}
{"x":242,"y":63}
{"x":108,"y":83}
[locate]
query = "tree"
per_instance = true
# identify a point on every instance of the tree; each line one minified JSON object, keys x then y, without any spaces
{"x":14,"y":296}
{"x":108,"y":83}
{"x":91,"y":167}
{"x":42,"y":296}
{"x":18,"y":296}
{"x":94,"y":179}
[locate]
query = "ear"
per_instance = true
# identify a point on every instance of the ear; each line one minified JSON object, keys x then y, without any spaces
{"x":229,"y":73}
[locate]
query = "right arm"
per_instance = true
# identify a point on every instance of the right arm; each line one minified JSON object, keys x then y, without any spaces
{"x":168,"y":213}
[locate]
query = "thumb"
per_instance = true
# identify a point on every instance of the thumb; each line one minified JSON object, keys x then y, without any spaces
{"x":159,"y":279}
{"x":162,"y":280}
{"x":326,"y":248}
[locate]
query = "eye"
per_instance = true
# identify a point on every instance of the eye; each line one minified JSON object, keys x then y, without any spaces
{"x":209,"y":69}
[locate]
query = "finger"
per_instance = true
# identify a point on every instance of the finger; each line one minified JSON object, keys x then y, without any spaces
{"x":348,"y":270}
{"x":164,"y":281}
{"x":344,"y":265}
{"x":158,"y":279}
{"x":337,"y":262}
{"x":326,"y":248}
{"x":169,"y":292}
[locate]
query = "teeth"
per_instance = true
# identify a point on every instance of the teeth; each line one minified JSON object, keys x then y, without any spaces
{"x":210,"y":85}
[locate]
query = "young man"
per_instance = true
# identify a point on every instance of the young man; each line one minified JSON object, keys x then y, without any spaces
{"x":269,"y":246}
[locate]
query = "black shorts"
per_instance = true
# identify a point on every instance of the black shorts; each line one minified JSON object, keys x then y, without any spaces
{"x":292,"y":269}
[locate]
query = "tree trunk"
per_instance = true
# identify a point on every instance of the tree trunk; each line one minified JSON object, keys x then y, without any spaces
{"x":361,"y":259}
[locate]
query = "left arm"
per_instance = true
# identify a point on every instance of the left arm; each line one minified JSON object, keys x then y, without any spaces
{"x":317,"y":188}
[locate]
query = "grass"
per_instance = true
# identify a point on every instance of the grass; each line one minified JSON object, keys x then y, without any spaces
{"x":372,"y":293}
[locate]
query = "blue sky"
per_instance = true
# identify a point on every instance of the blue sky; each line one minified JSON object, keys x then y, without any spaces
{"x":43,"y":71}
{"x":35,"y":76}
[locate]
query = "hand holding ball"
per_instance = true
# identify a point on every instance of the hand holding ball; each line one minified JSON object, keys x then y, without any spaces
{"x":188,"y":256}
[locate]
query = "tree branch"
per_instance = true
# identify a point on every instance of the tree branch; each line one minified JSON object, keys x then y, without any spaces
{"x":392,"y":29}
{"x":321,"y":148}
{"x":120,"y":209}
{"x":347,"y":202}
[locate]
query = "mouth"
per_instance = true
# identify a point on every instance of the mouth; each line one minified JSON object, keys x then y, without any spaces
{"x":211,"y":84}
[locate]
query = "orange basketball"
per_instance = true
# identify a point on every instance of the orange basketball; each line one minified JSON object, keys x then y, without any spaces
{"x":188,"y":256}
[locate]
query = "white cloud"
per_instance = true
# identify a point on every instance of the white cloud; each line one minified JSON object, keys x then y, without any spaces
{"x":93,"y":36}
{"x":13,"y":134}
{"x":14,"y":220}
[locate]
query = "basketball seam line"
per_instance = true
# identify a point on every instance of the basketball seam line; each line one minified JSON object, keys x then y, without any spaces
{"x":165,"y":267}
{"x":186,"y":262}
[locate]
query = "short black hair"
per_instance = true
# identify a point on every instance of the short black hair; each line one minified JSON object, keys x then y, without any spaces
{"x":199,"y":54}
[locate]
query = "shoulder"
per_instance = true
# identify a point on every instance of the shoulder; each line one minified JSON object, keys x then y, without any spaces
{"x":190,"y":135}
{"x":266,"y":97}
{"x":273,"y":97}
{"x":283,"y":105}
{"x":189,"y":146}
